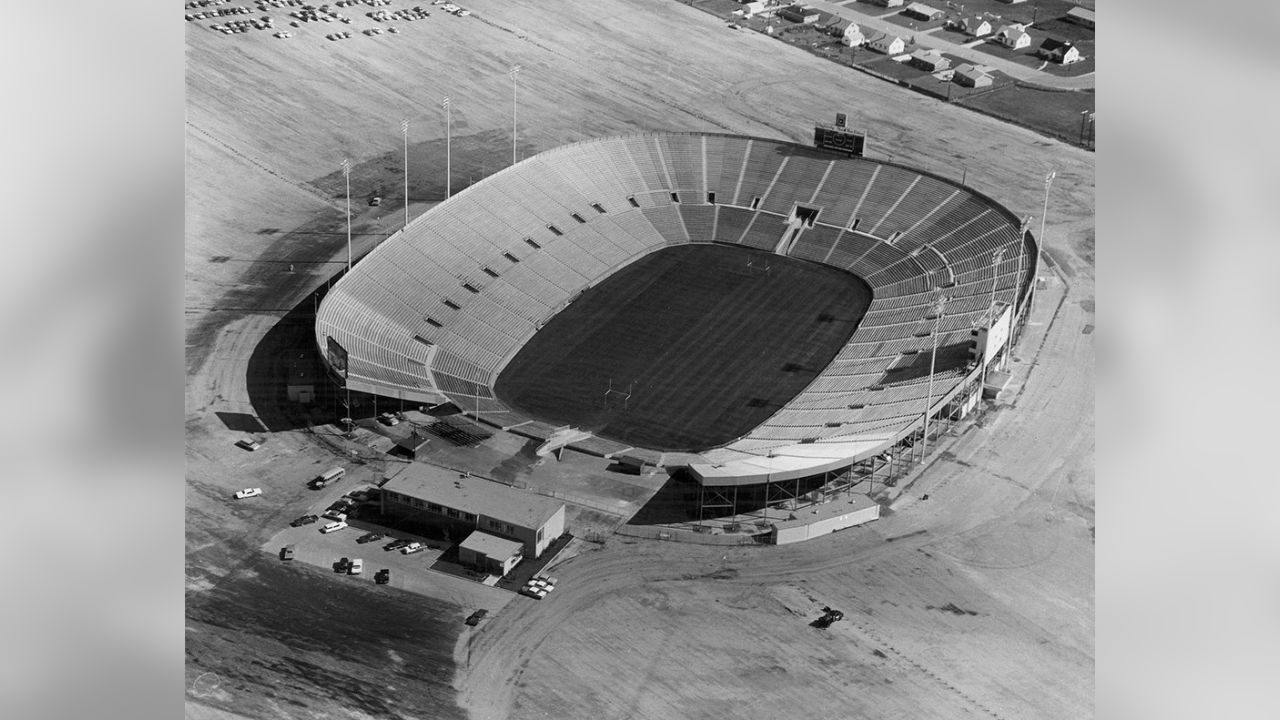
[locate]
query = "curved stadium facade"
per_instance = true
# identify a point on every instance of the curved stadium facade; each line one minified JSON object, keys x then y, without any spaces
{"x":439,"y":310}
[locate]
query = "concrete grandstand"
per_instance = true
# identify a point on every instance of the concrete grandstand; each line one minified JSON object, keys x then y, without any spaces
{"x":439,"y":310}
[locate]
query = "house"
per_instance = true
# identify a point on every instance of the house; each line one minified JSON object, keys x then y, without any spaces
{"x":849,"y":33}
{"x":752,"y":8}
{"x":967,"y":75}
{"x":930,"y":60}
{"x":920,"y":11}
{"x":973,"y":26}
{"x":1059,"y":51}
{"x":889,"y":3}
{"x":1080,"y":16}
{"x":1013,"y":36}
{"x":887,"y":44}
{"x":461,"y":504}
{"x":800,"y":14}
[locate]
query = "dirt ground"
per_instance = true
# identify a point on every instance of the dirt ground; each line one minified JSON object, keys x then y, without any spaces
{"x":977,"y":601}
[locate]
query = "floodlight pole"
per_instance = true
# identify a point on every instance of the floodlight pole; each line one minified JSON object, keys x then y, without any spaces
{"x":404,"y":130}
{"x":346,"y":173}
{"x":996,"y":257}
{"x":514,"y":72}
{"x":939,"y":306}
{"x":448,"y":157}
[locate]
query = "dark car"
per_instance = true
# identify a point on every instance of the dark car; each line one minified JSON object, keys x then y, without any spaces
{"x":396,"y":544}
{"x":340,"y":506}
{"x":382,"y":577}
{"x":474,"y":618}
{"x":286,"y":552}
{"x":342,"y":565}
{"x":369,"y":537}
{"x":304,"y":520}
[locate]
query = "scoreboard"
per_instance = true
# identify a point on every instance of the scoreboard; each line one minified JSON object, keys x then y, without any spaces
{"x":839,"y":138}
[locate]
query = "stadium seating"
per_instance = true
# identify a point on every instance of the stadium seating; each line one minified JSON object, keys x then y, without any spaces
{"x":441,"y":306}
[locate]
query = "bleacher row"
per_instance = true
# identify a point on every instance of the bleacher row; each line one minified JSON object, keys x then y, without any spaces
{"x":460,"y":290}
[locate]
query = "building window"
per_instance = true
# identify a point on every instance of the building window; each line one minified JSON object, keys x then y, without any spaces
{"x":711,"y":198}
{"x":433,"y":507}
{"x":468,"y":517}
{"x":540,"y":534}
{"x":511,"y":530}
{"x":451,"y":512}
{"x":493,"y":524}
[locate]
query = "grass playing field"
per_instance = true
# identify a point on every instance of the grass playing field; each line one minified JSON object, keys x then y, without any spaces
{"x":707,"y":345}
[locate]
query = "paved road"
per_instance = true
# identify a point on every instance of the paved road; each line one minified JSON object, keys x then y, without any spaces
{"x":1012,"y":69}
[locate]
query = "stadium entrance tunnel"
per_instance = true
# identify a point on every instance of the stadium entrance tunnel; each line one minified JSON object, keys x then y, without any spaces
{"x":688,"y":348}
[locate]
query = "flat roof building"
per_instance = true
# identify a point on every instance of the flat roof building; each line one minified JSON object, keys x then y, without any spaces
{"x":462,"y":503}
{"x":490,"y":553}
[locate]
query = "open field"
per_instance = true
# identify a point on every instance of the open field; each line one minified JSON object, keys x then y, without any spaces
{"x":1006,"y":533}
{"x":707,"y":346}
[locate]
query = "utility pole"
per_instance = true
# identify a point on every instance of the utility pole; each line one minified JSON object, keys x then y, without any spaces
{"x":937,"y":309}
{"x":346,"y":173}
{"x":514,"y":72}
{"x":996,"y":257}
{"x":404,"y":130}
{"x":448,"y":159}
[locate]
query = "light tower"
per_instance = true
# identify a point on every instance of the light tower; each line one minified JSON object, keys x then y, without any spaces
{"x":404,"y":130}
{"x":514,"y":72}
{"x":346,"y":173}
{"x":937,"y":310}
{"x":448,"y":158}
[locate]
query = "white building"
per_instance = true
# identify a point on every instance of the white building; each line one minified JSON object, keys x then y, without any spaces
{"x":461,"y":504}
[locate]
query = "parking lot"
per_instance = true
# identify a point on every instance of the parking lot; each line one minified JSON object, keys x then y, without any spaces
{"x":408,"y":572}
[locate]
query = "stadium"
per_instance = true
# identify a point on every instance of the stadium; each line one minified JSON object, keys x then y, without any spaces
{"x":751,"y":311}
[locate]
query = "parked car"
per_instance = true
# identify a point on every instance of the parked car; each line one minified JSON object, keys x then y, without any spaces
{"x":304,"y":520}
{"x":286,"y":552}
{"x":342,"y":565}
{"x":333,"y":527}
{"x":334,"y":515}
{"x":248,"y":493}
{"x":389,"y":419}
{"x":382,"y":577}
{"x":413,"y":547}
{"x":248,"y":444}
{"x":369,"y":537}
{"x":375,"y":201}
{"x":474,"y":618}
{"x":356,"y":567}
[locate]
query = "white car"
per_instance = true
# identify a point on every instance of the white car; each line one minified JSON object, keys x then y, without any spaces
{"x":412,"y":548}
{"x":248,"y":493}
{"x":463,"y":12}
{"x":248,"y":444}
{"x":333,"y":527}
{"x":356,"y":567}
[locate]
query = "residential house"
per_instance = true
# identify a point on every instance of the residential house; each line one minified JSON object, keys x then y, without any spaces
{"x":849,"y":33}
{"x":967,"y":75}
{"x":974,"y":26}
{"x":800,"y":14}
{"x":887,"y":44}
{"x":930,"y":60}
{"x":1059,"y":51}
{"x":1080,"y":16}
{"x":920,"y":11}
{"x":1013,"y":36}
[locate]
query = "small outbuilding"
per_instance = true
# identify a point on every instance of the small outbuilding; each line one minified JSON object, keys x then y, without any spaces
{"x":489,"y":553}
{"x":889,"y":3}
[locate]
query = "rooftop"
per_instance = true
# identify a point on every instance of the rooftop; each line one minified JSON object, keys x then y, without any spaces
{"x":472,"y":494}
{"x":491,"y":545}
